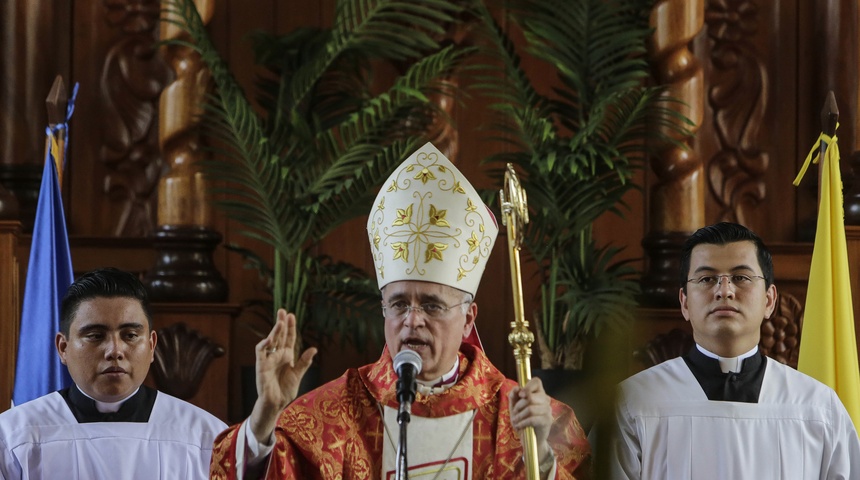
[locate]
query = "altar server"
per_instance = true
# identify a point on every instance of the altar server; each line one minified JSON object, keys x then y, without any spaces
{"x":106,"y":425}
{"x":724,"y":410}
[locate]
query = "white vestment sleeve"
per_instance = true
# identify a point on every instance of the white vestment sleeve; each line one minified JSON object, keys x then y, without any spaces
{"x":844,"y":461}
{"x":9,"y":466}
{"x":626,"y":453}
{"x":257,"y":452}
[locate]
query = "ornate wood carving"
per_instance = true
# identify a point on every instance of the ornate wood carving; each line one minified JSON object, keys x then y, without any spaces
{"x":182,"y":357}
{"x":677,"y":193}
{"x":738,"y":97}
{"x":780,"y":334}
{"x":133,"y":76}
{"x":664,"y":346}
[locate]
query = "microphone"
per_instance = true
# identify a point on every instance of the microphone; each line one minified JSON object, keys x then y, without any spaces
{"x":407,"y":364}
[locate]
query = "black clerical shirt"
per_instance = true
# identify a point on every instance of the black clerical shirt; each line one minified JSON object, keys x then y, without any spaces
{"x":136,"y":408}
{"x":743,"y":386}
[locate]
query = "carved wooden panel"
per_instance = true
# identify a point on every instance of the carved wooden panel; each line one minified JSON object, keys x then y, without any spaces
{"x":182,"y":357}
{"x":197,"y":349}
{"x":780,"y":334}
{"x":738,"y":96}
{"x":132,"y":78}
{"x":114,"y":160}
{"x":665,"y":346}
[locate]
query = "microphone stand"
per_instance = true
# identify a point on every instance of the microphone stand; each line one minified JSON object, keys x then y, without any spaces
{"x":403,"y":416}
{"x":407,"y":364}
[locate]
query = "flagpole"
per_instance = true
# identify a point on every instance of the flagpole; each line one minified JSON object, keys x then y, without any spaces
{"x":829,"y":120}
{"x":56,"y":103}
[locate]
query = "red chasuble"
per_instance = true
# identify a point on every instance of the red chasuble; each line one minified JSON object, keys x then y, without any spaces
{"x":337,"y":432}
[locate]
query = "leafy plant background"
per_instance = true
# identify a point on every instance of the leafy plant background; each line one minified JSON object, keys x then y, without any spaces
{"x":325,"y":136}
{"x":577,"y":150}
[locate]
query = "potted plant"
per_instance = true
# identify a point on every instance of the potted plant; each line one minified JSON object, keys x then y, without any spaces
{"x":576,"y":151}
{"x":326,"y":137}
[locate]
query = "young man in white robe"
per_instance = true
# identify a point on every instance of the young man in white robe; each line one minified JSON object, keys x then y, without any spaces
{"x":724,"y":410}
{"x":106,"y":425}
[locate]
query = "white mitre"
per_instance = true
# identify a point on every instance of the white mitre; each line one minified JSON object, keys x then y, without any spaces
{"x":429,"y":224}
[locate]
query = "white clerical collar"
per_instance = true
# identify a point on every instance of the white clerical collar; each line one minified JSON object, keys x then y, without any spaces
{"x":729,"y":364}
{"x":108,"y":407}
{"x":439,"y":385}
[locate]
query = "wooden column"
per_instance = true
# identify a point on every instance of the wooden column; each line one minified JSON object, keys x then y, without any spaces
{"x":676,"y":199}
{"x":31,"y":54}
{"x":10,"y":307}
{"x":835,"y":67}
{"x":184,"y":239}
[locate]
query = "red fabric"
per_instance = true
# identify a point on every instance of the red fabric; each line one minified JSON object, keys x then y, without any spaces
{"x":336,"y":431}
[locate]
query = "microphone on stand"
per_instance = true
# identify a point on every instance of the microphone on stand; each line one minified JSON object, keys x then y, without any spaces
{"x":407,"y":364}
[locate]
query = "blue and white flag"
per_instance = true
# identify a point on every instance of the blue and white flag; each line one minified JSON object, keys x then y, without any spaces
{"x":38,"y":370}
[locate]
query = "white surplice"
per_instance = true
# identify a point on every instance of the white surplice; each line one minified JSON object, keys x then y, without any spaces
{"x":668,"y":429}
{"x":41,"y":439}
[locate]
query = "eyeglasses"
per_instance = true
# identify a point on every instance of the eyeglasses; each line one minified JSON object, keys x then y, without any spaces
{"x":739,"y":280}
{"x":401,"y":309}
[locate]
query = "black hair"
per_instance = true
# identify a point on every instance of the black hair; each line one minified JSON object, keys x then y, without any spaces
{"x":102,"y":283}
{"x":721,"y":234}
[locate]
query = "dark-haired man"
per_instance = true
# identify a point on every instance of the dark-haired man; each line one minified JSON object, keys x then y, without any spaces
{"x":106,"y":425}
{"x":724,"y":410}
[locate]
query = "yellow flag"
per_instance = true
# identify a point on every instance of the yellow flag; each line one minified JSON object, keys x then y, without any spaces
{"x":828,"y":349}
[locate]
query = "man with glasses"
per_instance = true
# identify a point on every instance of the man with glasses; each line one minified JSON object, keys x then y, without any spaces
{"x":430,"y":238}
{"x":724,"y":410}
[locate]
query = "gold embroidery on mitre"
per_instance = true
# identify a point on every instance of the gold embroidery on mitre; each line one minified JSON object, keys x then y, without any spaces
{"x":473,"y":241}
{"x":437,"y":217}
{"x":417,"y":227}
{"x":401,"y":250}
{"x":478,"y":243}
{"x":425,"y":219}
{"x":434,"y":251}
{"x":404,"y":216}
{"x":425,"y":175}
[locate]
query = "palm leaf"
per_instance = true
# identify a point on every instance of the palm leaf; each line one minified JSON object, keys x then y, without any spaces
{"x":324,"y":140}
{"x":577,"y":150}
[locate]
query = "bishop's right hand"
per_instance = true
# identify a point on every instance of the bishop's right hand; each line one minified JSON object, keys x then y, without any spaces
{"x":279,"y":373}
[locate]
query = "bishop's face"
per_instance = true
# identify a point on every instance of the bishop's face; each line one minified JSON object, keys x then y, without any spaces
{"x":435,"y":337}
{"x":726,"y":316}
{"x":109,"y":347}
